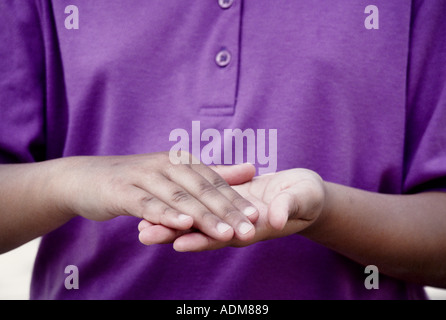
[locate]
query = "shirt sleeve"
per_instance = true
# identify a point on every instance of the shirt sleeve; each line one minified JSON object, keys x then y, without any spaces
{"x":425,"y":145}
{"x":22,"y":83}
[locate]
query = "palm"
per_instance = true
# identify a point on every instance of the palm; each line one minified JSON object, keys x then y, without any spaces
{"x":288,"y":201}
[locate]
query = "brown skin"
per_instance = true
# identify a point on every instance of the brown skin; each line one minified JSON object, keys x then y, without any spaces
{"x":403,"y":235}
{"x":37,"y":198}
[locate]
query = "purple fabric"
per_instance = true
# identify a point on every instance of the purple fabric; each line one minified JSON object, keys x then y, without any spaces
{"x":364,"y":108}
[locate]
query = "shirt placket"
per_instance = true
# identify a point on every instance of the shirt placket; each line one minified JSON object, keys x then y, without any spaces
{"x":221,"y":70}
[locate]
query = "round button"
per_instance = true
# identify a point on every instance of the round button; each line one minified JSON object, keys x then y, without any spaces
{"x":225,"y":4}
{"x":223,"y":58}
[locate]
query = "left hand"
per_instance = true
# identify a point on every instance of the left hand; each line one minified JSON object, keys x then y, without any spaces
{"x":288,"y":202}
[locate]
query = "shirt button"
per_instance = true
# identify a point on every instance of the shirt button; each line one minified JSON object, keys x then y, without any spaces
{"x":223,"y":58}
{"x":225,"y":4}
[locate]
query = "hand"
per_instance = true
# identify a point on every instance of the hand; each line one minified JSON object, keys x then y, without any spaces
{"x":152,"y":188}
{"x":288,"y":202}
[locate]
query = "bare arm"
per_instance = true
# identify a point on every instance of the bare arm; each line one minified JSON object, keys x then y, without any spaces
{"x":38,"y":198}
{"x":28,"y":208}
{"x":403,"y":235}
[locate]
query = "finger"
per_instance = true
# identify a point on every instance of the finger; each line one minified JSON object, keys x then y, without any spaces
{"x":147,"y":206}
{"x":144,"y":224}
{"x":280,"y":208}
{"x":235,"y":174}
{"x":157,"y":234}
{"x":197,"y":241}
{"x":176,"y":197}
{"x":242,"y":204}
{"x":219,"y":198}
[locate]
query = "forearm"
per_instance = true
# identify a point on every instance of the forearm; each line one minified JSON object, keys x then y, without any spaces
{"x":29,"y":205}
{"x":403,"y":235}
{"x":37,"y":198}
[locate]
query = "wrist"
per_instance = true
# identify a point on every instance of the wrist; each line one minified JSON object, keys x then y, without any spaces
{"x":325,"y":211}
{"x":327,"y":203}
{"x":55,"y":186}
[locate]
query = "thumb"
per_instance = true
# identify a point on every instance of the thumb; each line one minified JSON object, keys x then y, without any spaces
{"x":236,"y":174}
{"x":280,"y":209}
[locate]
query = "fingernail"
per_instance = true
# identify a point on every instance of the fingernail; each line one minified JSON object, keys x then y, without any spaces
{"x":245,"y":227}
{"x":249,"y":211}
{"x":182,"y":217}
{"x":143,"y":224}
{"x":223,"y":227}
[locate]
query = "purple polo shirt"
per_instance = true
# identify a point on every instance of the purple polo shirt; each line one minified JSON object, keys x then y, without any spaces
{"x":356,"y":94}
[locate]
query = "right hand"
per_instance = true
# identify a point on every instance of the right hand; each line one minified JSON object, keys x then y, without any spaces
{"x":150,"y":187}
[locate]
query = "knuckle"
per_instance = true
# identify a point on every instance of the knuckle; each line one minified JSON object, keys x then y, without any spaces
{"x":205,"y":188}
{"x":219,"y":183}
{"x":146,"y":200}
{"x":165,"y":211}
{"x":126,"y":203}
{"x":164,"y":215}
{"x":206,"y":215}
{"x":240,"y":202}
{"x":171,"y":170}
{"x":180,"y":196}
{"x":229,"y":214}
